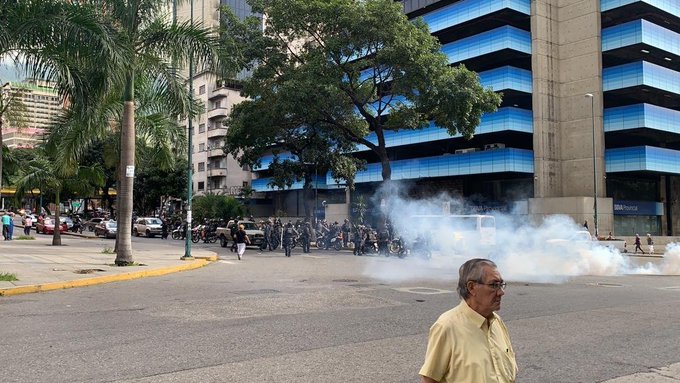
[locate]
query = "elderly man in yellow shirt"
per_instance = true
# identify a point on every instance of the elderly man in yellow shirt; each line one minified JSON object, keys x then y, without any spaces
{"x":470,"y":343}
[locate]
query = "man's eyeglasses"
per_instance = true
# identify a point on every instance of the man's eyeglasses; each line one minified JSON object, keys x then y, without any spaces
{"x":495,"y":285}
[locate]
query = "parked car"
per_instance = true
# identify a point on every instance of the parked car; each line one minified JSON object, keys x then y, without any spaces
{"x":67,"y":220}
{"x":92,"y":223}
{"x":47,"y":226}
{"x":149,"y":226}
{"x":107,"y":229}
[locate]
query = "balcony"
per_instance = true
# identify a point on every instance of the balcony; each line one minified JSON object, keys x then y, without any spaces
{"x":219,"y":93}
{"x":219,"y":112}
{"x":220,"y":131}
{"x":217,"y":172}
{"x":216,"y":152}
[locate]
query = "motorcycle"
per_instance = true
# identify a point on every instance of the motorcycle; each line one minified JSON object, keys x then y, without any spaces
{"x":335,"y":242}
{"x":178,"y":233}
{"x":196,"y":233}
{"x":397,"y":247}
{"x":77,"y":227}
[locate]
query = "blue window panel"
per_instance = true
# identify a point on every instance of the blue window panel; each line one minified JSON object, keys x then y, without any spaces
{"x":261,"y":184}
{"x":507,"y":78}
{"x":491,"y":161}
{"x":640,"y":31}
{"x":641,"y":116}
{"x":642,"y":158}
{"x":387,"y":103}
{"x":504,"y":119}
{"x":670,"y":6}
{"x":467,"y":10}
{"x":265,"y":161}
{"x":495,"y":40}
{"x":641,"y":73}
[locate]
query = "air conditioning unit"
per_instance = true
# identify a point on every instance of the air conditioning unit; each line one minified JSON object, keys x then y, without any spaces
{"x":494,"y":146}
{"x":466,"y":150}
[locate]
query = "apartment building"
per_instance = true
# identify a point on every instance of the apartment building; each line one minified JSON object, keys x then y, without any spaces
{"x":213,"y":172}
{"x":41,"y":102}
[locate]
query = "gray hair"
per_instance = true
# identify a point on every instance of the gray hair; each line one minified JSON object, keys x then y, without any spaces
{"x":472,"y":270}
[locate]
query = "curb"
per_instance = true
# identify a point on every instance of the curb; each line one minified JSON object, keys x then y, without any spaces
{"x":199,"y":262}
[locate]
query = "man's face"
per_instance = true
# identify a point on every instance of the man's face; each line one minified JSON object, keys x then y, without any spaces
{"x":484,"y":298}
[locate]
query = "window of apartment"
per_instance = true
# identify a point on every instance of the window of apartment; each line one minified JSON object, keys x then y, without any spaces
{"x":201,"y":147}
{"x":201,"y":166}
{"x":217,"y":104}
{"x":201,"y":128}
{"x":201,"y":89}
{"x":201,"y":185}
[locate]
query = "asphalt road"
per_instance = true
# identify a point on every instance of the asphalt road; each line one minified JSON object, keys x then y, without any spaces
{"x":328,"y":317}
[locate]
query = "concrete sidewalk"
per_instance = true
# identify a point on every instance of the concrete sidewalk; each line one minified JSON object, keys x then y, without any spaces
{"x":39,"y":266}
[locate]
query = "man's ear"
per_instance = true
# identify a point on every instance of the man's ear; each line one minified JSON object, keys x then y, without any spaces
{"x":471,"y":286}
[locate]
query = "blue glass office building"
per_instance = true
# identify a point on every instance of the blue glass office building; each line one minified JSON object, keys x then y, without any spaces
{"x":548,"y":144}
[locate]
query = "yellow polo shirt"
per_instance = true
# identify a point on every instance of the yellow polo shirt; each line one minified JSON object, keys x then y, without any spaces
{"x":463,"y":347}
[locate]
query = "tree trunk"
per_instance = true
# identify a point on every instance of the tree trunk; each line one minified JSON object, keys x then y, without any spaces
{"x":56,"y":236}
{"x":127,"y":163}
{"x":308,"y":198}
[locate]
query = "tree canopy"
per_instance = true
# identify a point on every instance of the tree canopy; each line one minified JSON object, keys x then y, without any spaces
{"x":353,"y":70}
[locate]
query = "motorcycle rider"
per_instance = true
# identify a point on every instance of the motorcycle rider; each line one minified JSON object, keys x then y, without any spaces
{"x":306,"y":236}
{"x":288,"y":234}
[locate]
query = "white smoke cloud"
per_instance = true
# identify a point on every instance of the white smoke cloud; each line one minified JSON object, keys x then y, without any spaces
{"x":524,"y":251}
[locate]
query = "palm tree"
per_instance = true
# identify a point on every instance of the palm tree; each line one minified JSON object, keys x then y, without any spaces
{"x":155,"y":45}
{"x":42,"y":171}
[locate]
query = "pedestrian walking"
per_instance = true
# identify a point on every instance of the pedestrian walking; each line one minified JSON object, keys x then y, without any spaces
{"x":10,"y":232}
{"x":241,"y":239}
{"x":164,"y":228}
{"x":234,"y":229}
{"x":638,"y":244}
{"x":650,"y":244}
{"x":5,"y":226}
{"x":28,"y":222}
{"x":470,"y":343}
{"x":267,"y":229}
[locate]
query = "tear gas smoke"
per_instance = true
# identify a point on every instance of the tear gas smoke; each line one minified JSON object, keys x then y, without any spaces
{"x":547,"y":252}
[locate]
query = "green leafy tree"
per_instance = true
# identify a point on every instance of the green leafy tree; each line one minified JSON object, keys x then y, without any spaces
{"x":155,"y":182}
{"x":43,"y":172}
{"x":213,"y":206}
{"x":353,"y":68}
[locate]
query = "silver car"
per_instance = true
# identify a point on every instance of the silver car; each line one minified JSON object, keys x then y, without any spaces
{"x":148,"y":226}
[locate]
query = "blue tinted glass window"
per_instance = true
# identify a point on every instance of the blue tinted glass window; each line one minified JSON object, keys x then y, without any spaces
{"x":670,"y":6}
{"x":505,"y":37}
{"x":466,"y":10}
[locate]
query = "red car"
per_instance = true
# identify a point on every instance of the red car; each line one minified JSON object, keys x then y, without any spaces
{"x":47,"y":226}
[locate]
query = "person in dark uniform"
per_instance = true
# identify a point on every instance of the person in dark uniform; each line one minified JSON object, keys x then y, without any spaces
{"x":306,"y":236}
{"x":164,"y":228}
{"x":232,"y":232}
{"x":288,"y":234}
{"x":358,"y":236}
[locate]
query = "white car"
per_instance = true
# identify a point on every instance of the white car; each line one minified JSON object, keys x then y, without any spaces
{"x":149,"y":226}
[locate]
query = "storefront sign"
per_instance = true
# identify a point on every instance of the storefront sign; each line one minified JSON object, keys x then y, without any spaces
{"x":637,"y":208}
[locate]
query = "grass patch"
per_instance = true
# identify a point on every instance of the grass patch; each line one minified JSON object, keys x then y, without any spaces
{"x":107,"y":250}
{"x":8,"y":277}
{"x":25,"y":238}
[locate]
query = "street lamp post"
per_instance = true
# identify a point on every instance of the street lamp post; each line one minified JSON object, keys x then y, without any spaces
{"x":592,"y":117}
{"x":187,"y":238}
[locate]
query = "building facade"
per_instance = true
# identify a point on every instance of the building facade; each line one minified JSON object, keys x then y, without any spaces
{"x":213,"y":172}
{"x":589,"y":123}
{"x":41,"y":103}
